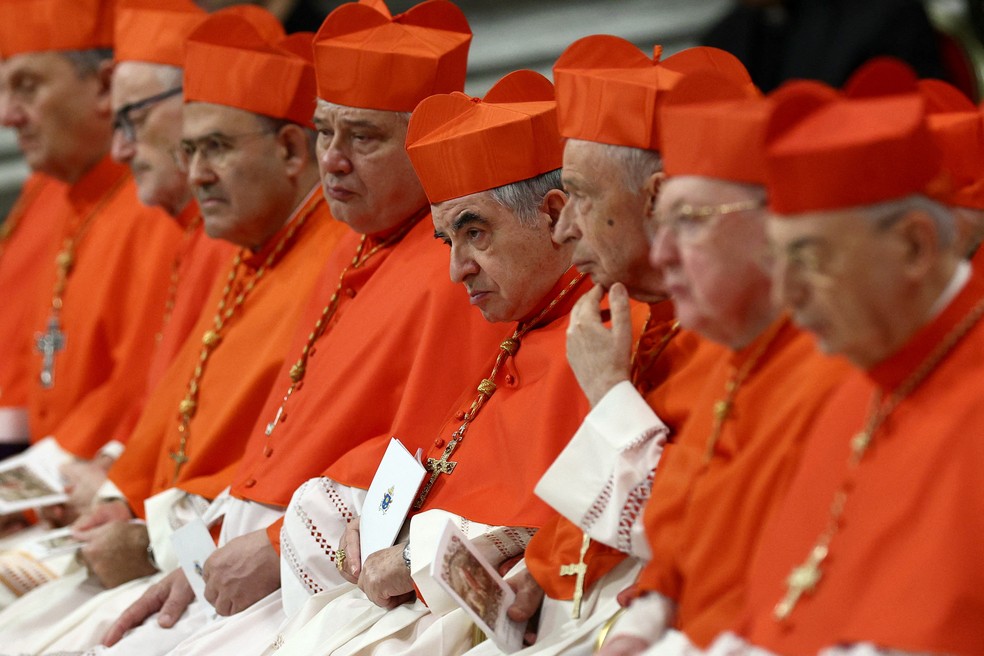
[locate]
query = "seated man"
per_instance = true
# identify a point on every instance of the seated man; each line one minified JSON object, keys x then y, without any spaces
{"x":728,"y":468}
{"x":251,"y":165}
{"x":640,"y":399}
{"x":496,"y":213}
{"x":875,"y":548}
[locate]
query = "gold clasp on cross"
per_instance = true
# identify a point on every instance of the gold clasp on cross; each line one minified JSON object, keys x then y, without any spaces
{"x":802,"y":580}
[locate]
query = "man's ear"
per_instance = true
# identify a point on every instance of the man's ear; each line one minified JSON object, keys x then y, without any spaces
{"x":553,"y":203}
{"x":920,"y":241}
{"x":293,"y":145}
{"x":651,"y":189}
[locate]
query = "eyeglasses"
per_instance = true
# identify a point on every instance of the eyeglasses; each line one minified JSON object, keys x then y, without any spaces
{"x":123,"y":120}
{"x":212,"y":148}
{"x":689,"y":222}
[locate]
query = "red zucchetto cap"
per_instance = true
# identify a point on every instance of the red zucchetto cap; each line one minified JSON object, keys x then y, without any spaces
{"x":955,"y":123}
{"x":155,"y":31}
{"x":230,"y":62}
{"x":829,"y":151}
{"x":368,"y":59}
{"x":608,"y":90}
{"x":40,"y":25}
{"x":714,"y":128}
{"x":461,"y":145}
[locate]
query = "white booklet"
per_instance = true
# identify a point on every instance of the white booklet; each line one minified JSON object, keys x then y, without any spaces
{"x":31,"y":479}
{"x":193,"y":544}
{"x":391,"y":493}
{"x":53,"y":543}
{"x":474,"y":583}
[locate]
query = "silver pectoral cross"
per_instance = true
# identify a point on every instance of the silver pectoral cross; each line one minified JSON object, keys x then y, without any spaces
{"x":48,"y":343}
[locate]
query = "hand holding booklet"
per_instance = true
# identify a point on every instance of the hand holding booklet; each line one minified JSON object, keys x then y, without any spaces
{"x":391,"y":493}
{"x":474,"y":583}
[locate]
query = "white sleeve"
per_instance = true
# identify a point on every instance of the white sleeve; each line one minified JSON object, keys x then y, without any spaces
{"x":313,"y":525}
{"x":495,"y":543}
{"x":612,"y":457}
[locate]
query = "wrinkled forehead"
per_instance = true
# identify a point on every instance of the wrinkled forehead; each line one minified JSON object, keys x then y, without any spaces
{"x":328,"y":114}
{"x":826,"y":227}
{"x":202,"y":119}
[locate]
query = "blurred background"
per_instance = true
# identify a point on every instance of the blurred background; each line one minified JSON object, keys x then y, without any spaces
{"x":776,"y":39}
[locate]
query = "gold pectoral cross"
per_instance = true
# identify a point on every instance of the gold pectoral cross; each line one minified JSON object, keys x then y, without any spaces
{"x":802,"y":580}
{"x":436,"y":468}
{"x":578,"y":569}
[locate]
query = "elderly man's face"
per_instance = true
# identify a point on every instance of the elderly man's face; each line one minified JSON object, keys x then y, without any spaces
{"x":843,"y":280}
{"x":714,"y":265}
{"x":607,"y":222}
{"x":366,"y":174}
{"x":147,"y":135}
{"x":237,"y":173}
{"x":506,"y":267}
{"x":61,"y":118}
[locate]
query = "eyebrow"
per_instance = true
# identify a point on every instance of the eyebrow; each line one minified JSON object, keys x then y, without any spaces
{"x":357,"y":123}
{"x":466,"y":218}
{"x":463,"y":219}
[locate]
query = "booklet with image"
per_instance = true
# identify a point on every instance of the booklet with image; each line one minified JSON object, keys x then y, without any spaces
{"x":391,"y":493}
{"x":53,"y":543}
{"x":31,"y":480}
{"x":474,"y":583}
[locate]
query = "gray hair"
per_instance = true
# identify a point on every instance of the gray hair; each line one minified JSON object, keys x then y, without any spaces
{"x":325,"y":106}
{"x":525,"y":197}
{"x":883,"y":215}
{"x":87,"y":62}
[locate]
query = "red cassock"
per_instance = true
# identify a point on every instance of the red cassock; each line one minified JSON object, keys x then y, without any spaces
{"x":705,"y":515}
{"x":403,"y":343}
{"x":238,"y":375}
{"x":669,"y":384}
{"x":903,"y":569}
{"x":535,"y":409}
{"x":113,"y":304}
{"x":26,"y":257}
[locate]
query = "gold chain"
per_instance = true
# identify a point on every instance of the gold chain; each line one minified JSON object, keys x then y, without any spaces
{"x":172,"y":289}
{"x":805,"y":577}
{"x":212,"y":338}
{"x":299,"y":368}
{"x":486,"y":389}
{"x":723,"y":407}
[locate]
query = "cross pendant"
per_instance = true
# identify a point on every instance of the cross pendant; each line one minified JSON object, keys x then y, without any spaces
{"x":436,"y":468}
{"x":578,"y":569}
{"x":179,"y":458}
{"x":48,"y":344}
{"x":802,"y":580}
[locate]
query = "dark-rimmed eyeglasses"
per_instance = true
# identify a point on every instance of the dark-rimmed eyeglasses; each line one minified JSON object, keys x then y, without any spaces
{"x":123,"y":121}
